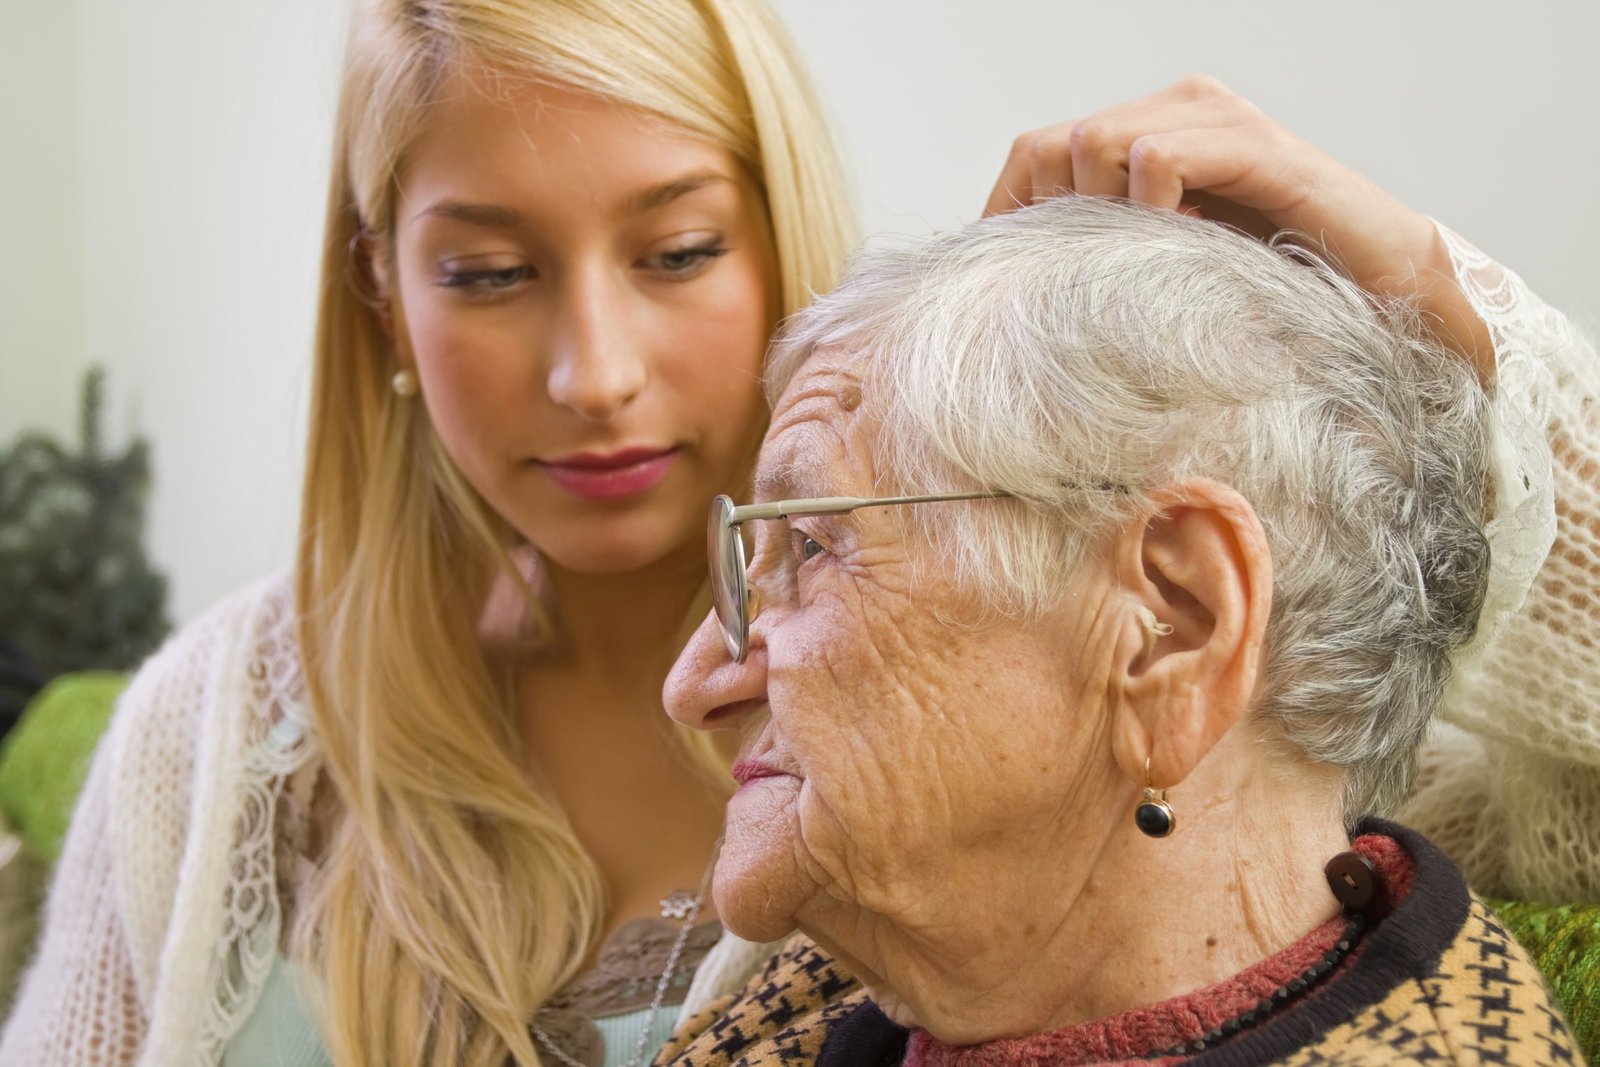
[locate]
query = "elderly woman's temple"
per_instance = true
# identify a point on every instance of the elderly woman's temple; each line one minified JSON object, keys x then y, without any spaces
{"x":1095,"y":764}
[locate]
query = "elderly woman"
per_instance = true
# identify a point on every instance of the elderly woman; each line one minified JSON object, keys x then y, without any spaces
{"x":1102,"y":580}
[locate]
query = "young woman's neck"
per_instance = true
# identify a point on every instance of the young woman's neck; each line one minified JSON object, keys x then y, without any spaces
{"x":623,"y":624}
{"x":590,"y":718}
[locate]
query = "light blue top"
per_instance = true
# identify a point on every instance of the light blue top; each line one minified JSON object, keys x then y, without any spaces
{"x":280,"y":1033}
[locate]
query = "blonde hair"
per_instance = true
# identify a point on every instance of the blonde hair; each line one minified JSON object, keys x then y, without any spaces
{"x":453,"y":897}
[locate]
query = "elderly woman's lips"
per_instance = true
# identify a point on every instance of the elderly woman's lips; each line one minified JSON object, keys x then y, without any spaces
{"x":746,"y":771}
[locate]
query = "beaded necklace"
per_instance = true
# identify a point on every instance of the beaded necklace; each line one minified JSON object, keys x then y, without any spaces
{"x":1284,"y":994}
{"x":1360,"y":888}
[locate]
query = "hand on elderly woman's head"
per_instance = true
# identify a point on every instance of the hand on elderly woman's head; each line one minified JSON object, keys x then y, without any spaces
{"x":1196,"y":146}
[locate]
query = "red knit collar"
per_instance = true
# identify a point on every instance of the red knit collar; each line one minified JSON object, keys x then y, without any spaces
{"x":1129,"y":1036}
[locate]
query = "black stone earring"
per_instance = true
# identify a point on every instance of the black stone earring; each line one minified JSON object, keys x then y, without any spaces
{"x":1154,"y":816}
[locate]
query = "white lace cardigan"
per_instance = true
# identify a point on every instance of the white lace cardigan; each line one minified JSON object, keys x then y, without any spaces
{"x":165,"y":915}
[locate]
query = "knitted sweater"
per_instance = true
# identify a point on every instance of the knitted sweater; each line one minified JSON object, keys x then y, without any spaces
{"x":165,"y":914}
{"x":1510,"y":782}
{"x":1437,"y":981}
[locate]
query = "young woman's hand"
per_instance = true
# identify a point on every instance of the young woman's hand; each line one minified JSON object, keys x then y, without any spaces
{"x":1199,"y":148}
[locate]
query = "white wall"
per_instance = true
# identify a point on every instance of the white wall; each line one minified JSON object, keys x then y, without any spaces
{"x":41,"y":239}
{"x":204,"y":144}
{"x":202,"y":149}
{"x":1485,"y":115}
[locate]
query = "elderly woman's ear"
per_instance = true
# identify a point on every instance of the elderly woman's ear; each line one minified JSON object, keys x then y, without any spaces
{"x":1197,"y":580}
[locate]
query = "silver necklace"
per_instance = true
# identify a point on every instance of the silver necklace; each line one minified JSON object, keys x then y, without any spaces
{"x":679,"y":905}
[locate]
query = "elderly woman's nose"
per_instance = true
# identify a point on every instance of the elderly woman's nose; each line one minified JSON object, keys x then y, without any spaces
{"x":706,"y":689}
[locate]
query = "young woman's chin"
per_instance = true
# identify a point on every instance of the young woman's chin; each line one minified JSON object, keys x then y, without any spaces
{"x":614,"y":544}
{"x":663,"y":523}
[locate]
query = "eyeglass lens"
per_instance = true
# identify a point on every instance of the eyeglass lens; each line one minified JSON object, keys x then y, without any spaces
{"x":725,"y":551}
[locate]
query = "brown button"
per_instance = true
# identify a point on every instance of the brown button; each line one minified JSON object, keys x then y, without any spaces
{"x":1356,"y":883}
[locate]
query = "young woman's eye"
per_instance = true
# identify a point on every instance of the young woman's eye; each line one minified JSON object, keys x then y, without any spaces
{"x":681,"y":263}
{"x":485,"y":282}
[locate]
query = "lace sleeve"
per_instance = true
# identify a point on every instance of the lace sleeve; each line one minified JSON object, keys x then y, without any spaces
{"x":1522,"y":527}
{"x":79,"y":1004}
{"x":1513,"y":792}
{"x":164,"y":916}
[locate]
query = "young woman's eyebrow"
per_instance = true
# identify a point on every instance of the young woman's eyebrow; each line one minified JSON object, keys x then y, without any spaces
{"x":492,"y":216}
{"x":652,"y":197}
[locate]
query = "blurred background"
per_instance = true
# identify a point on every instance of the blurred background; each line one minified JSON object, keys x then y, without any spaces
{"x":162,"y":170}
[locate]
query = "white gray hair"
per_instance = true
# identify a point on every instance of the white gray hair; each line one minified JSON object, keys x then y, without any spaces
{"x":1082,"y":352}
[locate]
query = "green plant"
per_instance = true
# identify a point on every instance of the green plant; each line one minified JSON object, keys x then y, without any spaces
{"x":76,"y":591}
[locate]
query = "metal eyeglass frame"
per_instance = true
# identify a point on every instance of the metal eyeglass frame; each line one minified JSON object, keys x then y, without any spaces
{"x":731,"y":596}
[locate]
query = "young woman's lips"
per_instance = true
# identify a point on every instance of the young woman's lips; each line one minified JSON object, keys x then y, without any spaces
{"x":610,"y":477}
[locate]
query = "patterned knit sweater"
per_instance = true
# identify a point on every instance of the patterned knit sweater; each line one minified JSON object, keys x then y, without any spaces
{"x":1437,"y":981}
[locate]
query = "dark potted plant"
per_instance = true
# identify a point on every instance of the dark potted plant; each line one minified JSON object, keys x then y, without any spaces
{"x":76,"y":590}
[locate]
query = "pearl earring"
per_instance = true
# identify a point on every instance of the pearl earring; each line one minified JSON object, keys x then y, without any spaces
{"x":404,"y":383}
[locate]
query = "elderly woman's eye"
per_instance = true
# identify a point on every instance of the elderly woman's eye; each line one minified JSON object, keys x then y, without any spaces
{"x":806,"y":547}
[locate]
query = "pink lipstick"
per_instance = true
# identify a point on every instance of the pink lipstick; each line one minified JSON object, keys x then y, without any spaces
{"x":612,"y":476}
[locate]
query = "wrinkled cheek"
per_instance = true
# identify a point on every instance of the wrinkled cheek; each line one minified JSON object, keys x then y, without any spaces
{"x":862,"y":826}
{"x":850,"y":734}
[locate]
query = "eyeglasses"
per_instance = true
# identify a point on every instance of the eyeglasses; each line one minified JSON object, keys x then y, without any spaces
{"x":734,"y":600}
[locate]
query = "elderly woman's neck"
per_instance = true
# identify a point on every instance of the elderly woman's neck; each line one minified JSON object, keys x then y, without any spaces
{"x":1126,"y":921}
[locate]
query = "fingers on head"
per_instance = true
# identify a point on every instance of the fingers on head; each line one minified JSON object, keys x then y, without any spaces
{"x":1155,"y":172}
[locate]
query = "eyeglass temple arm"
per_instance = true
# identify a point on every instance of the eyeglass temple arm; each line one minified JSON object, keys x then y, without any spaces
{"x":837,"y":505}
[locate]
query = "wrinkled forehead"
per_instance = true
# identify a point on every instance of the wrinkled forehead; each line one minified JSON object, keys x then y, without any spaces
{"x":817,"y":443}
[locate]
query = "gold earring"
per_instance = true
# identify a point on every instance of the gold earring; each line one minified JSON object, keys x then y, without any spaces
{"x":404,"y":383}
{"x":1154,"y":816}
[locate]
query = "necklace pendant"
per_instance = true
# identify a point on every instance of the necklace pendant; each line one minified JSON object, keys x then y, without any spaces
{"x":677,"y":905}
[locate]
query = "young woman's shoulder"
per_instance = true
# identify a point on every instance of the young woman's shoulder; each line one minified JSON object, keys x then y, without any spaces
{"x":238,"y":658}
{"x":165,"y":843}
{"x":180,"y":737}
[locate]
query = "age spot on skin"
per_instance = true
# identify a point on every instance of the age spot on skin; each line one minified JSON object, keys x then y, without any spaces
{"x":850,"y":397}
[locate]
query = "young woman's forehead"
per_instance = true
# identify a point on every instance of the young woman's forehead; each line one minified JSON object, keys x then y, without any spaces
{"x":484,"y":159}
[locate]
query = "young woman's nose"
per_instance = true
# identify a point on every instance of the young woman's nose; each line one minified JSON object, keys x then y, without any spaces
{"x":597,"y":365}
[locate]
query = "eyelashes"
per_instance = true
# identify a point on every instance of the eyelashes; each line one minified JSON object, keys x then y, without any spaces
{"x":806,"y":548}
{"x":680,"y":264}
{"x":673,"y":265}
{"x":490,"y":281}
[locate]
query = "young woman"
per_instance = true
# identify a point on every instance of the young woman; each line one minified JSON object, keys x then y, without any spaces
{"x":416,"y":803}
{"x":559,"y":236}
